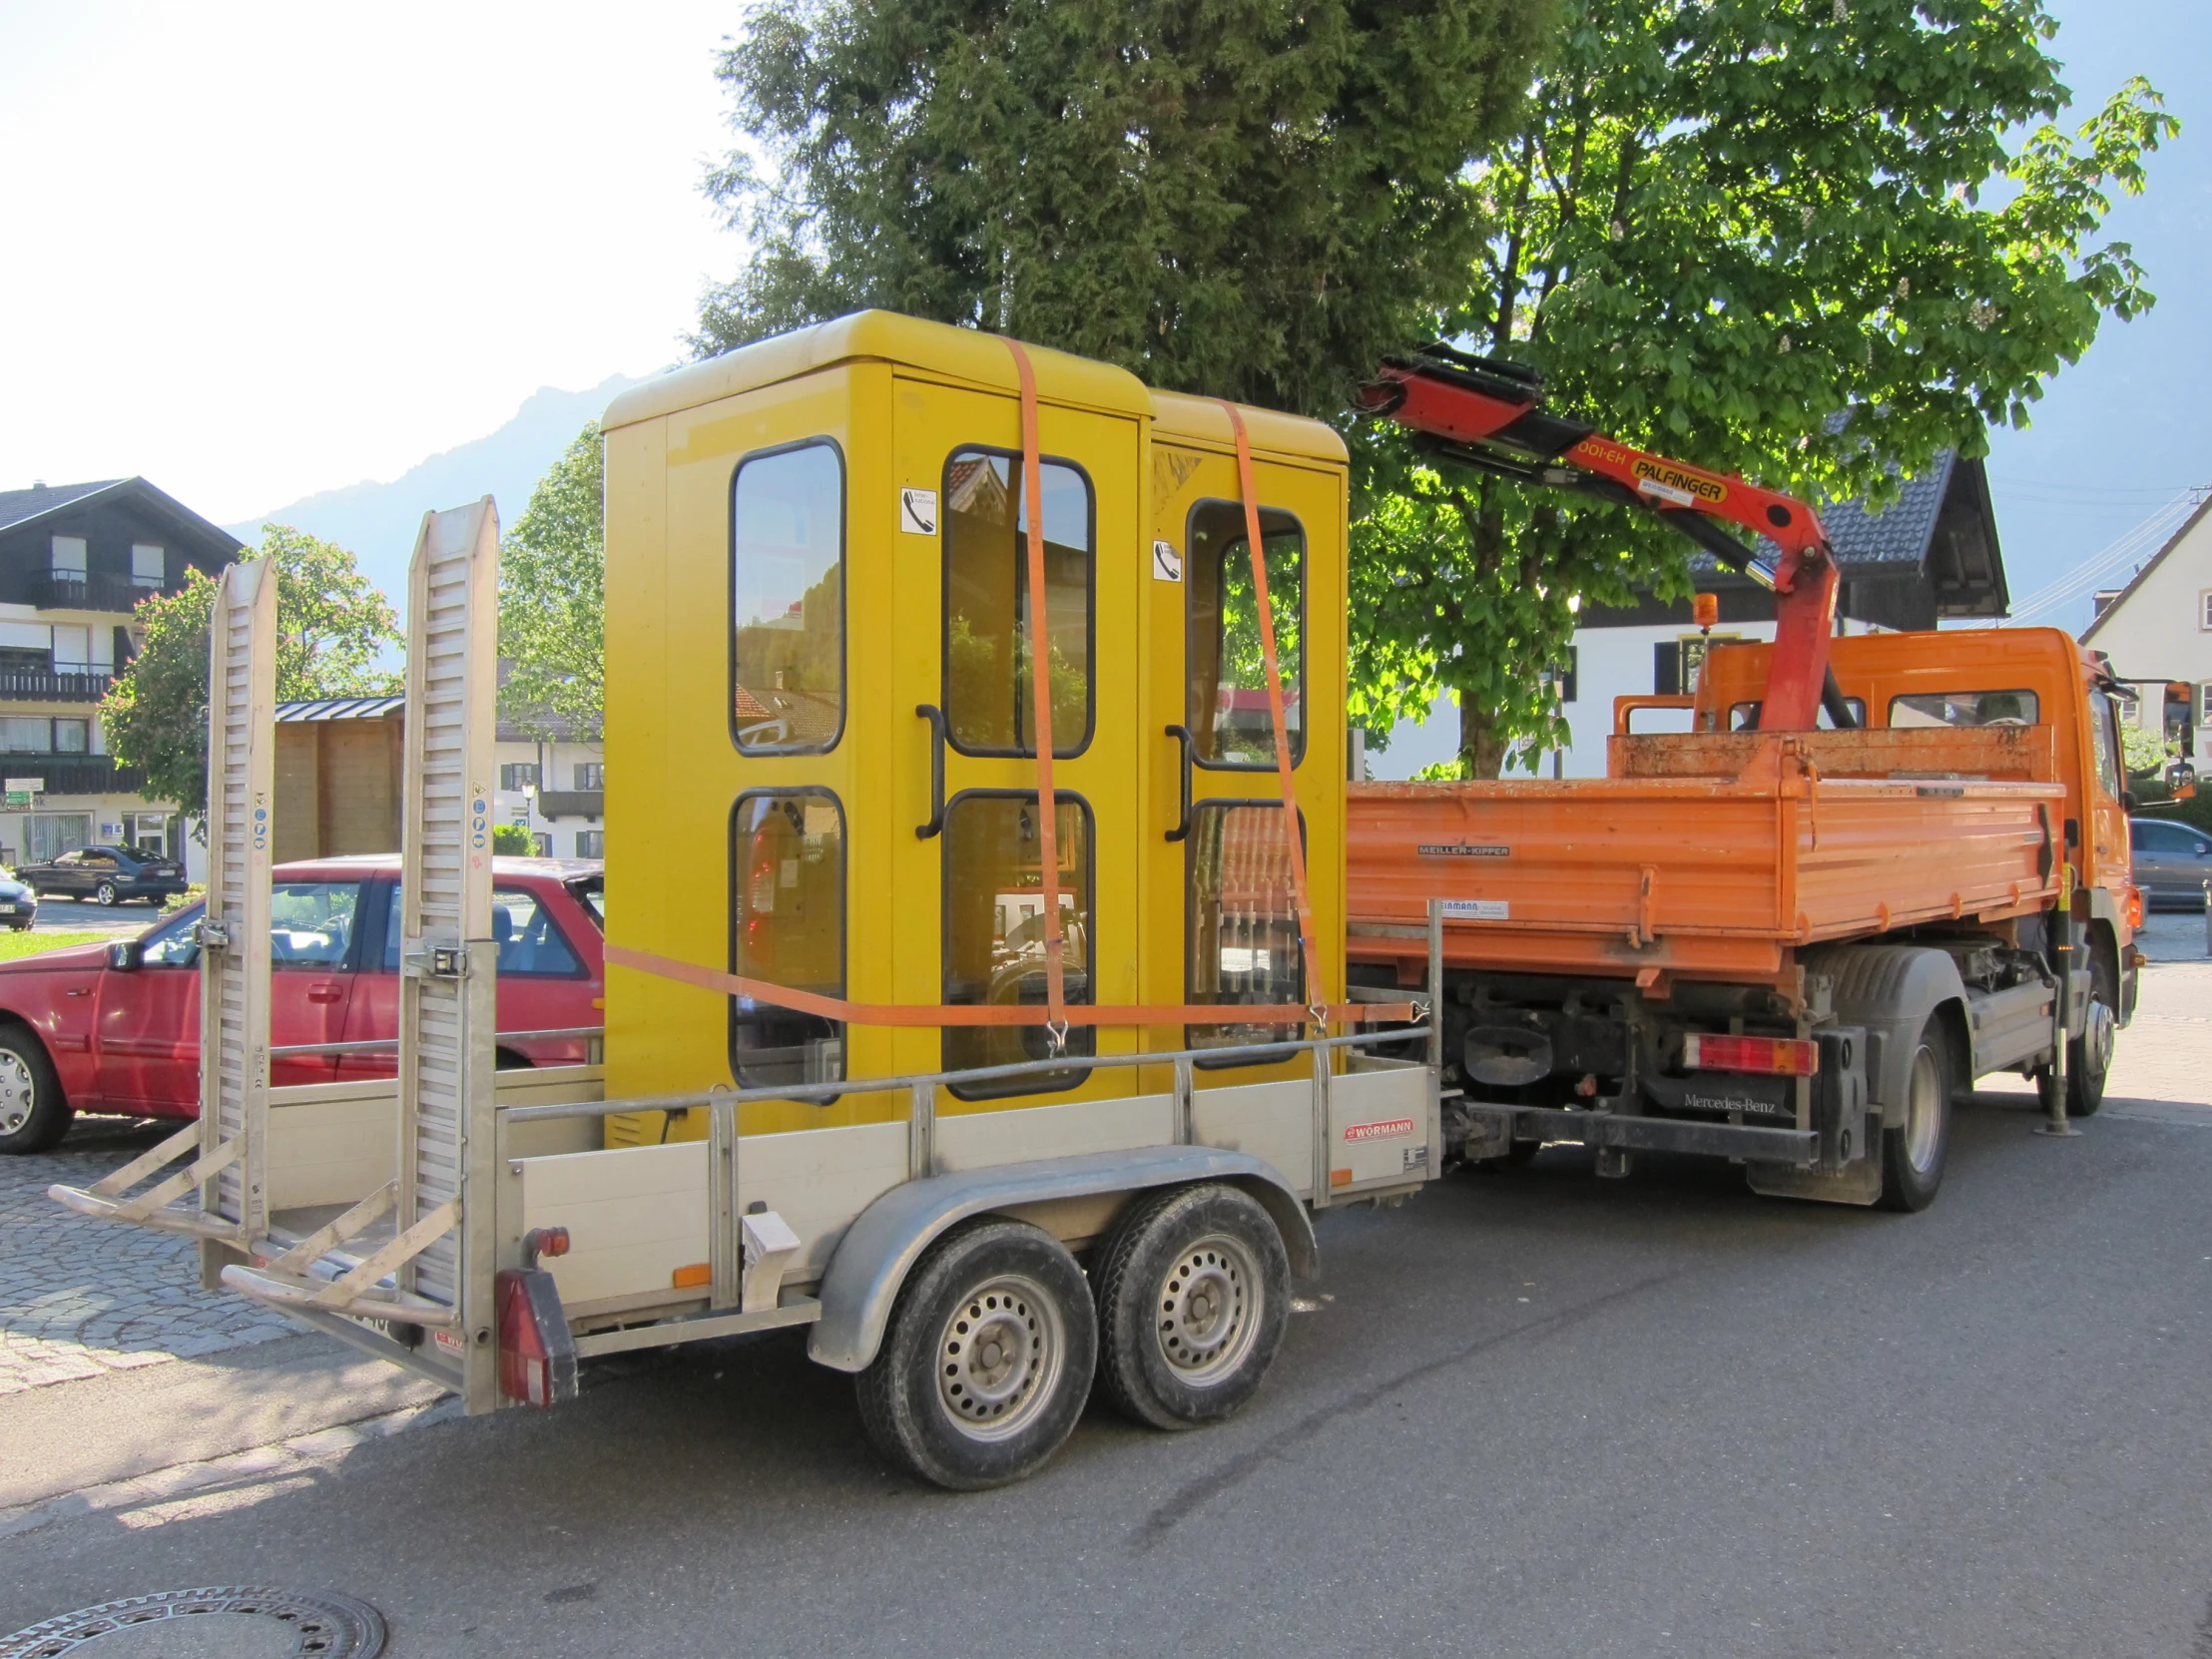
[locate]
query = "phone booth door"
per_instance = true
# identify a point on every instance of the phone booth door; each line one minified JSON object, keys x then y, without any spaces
{"x":975,"y":859}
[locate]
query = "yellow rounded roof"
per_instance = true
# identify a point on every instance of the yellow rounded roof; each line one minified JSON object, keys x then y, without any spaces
{"x":961,"y":354}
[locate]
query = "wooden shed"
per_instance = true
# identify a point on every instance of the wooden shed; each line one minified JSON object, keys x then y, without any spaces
{"x":339,"y":771}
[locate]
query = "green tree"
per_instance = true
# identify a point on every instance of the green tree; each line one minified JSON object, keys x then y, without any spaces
{"x":552,"y":599}
{"x":513,"y":838}
{"x":333,"y":627}
{"x":1722,"y":224}
{"x":1250,"y":198}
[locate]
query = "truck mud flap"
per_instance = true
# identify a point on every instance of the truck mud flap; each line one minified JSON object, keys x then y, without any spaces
{"x":1613,"y":1129}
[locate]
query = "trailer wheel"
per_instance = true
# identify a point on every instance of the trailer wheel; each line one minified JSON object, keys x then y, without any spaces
{"x":1194,"y":1289}
{"x":33,"y":1112}
{"x":1913,"y":1152}
{"x":2089,"y":1056}
{"x":988,"y":1361}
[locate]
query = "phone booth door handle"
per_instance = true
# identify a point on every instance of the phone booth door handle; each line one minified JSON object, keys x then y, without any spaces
{"x":935,"y":716}
{"x":1184,"y":740}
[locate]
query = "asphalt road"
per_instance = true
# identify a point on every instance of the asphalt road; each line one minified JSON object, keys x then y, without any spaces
{"x":1531,"y":1413}
{"x":73,"y":915}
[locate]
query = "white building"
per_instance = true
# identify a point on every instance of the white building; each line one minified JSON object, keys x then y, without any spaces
{"x":75,"y":559}
{"x":1931,"y":557}
{"x":556,"y":787}
{"x":2157,"y":630}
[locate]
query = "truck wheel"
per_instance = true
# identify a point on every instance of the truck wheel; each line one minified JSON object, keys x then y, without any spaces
{"x":2089,"y":1056}
{"x":1194,"y":1291}
{"x":33,"y":1113}
{"x":989,"y":1358}
{"x":1913,"y":1151}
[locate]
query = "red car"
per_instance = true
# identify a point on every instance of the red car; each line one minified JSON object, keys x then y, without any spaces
{"x":116,"y":1028}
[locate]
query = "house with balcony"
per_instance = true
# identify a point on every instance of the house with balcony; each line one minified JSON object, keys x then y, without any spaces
{"x":553,"y":782}
{"x":75,"y":560}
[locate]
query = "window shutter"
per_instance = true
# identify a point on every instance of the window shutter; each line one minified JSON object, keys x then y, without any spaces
{"x":1666,"y":668}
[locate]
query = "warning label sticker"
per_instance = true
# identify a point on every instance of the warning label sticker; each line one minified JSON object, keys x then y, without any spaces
{"x":1379,"y":1131}
{"x":1478,"y":909}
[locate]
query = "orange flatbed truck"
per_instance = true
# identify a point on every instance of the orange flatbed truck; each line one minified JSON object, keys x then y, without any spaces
{"x":1764,"y":938}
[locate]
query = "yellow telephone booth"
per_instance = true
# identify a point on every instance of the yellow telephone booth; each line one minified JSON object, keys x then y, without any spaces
{"x":970,"y":1000}
{"x":819,"y":713}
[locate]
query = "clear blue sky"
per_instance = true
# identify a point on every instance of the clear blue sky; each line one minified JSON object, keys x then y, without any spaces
{"x":2132,"y":424}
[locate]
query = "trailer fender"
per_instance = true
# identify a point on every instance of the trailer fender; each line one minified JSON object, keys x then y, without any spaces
{"x":881,"y":1245}
{"x":1891,"y":989}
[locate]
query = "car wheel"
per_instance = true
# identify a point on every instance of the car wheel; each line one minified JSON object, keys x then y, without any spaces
{"x":104,"y":894}
{"x":1913,"y":1151}
{"x":33,"y":1113}
{"x":989,"y":1358}
{"x":1193,"y":1292}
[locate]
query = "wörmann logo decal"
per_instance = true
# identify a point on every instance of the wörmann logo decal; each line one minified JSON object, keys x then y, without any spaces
{"x":1379,"y":1131}
{"x":1462,"y":850}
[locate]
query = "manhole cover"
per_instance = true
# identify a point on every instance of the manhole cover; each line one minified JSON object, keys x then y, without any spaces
{"x":226,"y":1623}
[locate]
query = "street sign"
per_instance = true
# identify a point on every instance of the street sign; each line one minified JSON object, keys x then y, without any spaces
{"x":24,"y":785}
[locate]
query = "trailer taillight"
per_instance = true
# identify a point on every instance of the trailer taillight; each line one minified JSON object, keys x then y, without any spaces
{"x":537,"y":1358}
{"x":1776,"y":1056}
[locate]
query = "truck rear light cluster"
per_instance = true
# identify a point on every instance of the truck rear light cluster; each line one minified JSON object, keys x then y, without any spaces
{"x":1776,"y":1056}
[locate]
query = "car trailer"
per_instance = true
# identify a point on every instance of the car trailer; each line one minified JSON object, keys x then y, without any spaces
{"x":489,"y":1229}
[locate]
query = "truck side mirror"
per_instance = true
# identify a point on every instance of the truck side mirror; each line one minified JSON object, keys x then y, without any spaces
{"x":126,"y":955}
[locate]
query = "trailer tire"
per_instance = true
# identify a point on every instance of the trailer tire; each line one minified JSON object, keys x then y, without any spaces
{"x":1194,"y":1292}
{"x":34,"y":1113}
{"x":987,"y":1360}
{"x":2089,"y":1056}
{"x":1913,"y":1152}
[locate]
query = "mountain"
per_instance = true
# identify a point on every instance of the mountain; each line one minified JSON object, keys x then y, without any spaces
{"x":379,"y":522}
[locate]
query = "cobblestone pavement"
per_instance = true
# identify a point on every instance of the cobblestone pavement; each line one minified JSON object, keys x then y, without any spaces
{"x":80,"y":1296}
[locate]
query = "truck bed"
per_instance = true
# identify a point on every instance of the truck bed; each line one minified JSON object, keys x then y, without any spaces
{"x":1709,"y":855}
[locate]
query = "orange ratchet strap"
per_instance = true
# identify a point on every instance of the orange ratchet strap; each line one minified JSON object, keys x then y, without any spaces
{"x":1056,"y":1016}
{"x":989,"y":1014}
{"x":1291,"y":836}
{"x":1040,"y":682}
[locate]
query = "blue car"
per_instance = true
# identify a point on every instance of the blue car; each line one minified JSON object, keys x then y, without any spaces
{"x":106,"y":875}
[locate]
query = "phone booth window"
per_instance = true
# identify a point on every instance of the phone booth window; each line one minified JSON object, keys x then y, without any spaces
{"x":989,"y":693}
{"x":787,"y":858}
{"x":1226,"y":704}
{"x":1241,"y":932}
{"x":786,"y":584}
{"x":994,"y":930}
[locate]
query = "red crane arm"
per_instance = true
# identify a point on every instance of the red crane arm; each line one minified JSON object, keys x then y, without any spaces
{"x":1488,"y":413}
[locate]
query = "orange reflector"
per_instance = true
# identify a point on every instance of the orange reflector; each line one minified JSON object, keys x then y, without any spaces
{"x":699,"y":1272}
{"x":1778,"y":1057}
{"x":1339,"y":1178}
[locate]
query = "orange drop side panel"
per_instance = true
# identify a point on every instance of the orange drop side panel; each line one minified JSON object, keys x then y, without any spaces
{"x":1713,"y":857}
